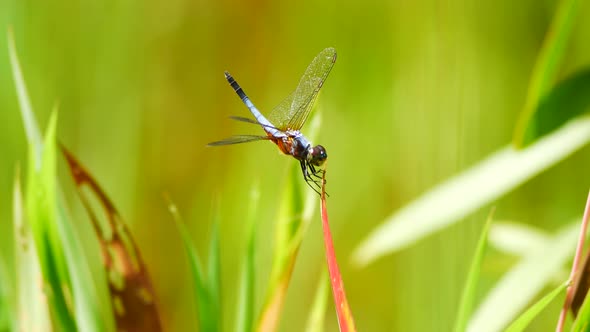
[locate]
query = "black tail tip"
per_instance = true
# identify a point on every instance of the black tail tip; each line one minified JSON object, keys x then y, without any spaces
{"x":227,"y":75}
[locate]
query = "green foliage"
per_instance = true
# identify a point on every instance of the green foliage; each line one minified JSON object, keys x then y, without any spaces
{"x":547,"y":66}
{"x":567,"y":100}
{"x":522,"y":322}
{"x":470,"y":291}
{"x":582,"y":322}
{"x":206,"y":288}
{"x":246,"y":301}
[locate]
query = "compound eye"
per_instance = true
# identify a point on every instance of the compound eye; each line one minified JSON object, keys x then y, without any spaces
{"x":318,"y":155}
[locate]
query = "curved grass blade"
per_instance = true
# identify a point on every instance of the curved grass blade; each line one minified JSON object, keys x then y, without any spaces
{"x":129,"y":283}
{"x":246,"y":299}
{"x":317,"y":314}
{"x":524,"y":281}
{"x":568,"y":99}
{"x":6,"y":305}
{"x":32,"y":304}
{"x":345,"y":320}
{"x":73,"y":286}
{"x":214,"y":270}
{"x":208,"y":314}
{"x":31,"y":128}
{"x":41,"y":203}
{"x":527,"y":317}
{"x":470,"y":190}
{"x":468,"y":297}
{"x":547,"y":66}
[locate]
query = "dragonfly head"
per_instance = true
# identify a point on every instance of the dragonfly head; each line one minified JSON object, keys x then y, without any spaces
{"x":317,"y":155}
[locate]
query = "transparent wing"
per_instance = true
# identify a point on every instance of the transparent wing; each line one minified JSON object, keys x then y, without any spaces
{"x":238,"y":139}
{"x":292,"y":112}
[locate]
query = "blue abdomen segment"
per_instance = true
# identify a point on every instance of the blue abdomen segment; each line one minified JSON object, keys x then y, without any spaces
{"x":263,"y":121}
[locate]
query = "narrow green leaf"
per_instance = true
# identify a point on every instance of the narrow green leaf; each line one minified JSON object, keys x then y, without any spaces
{"x":31,"y":128}
{"x":548,"y":64}
{"x":527,"y":317}
{"x":214,"y":270}
{"x":6,"y":306}
{"x":315,"y":321}
{"x":207,"y":319}
{"x":524,"y":281}
{"x":567,"y":100}
{"x":31,"y":301}
{"x":60,"y":248}
{"x":470,"y":190}
{"x":41,"y":213}
{"x":470,"y":290}
{"x":92,"y":305}
{"x":582,"y":322}
{"x":246,"y":299}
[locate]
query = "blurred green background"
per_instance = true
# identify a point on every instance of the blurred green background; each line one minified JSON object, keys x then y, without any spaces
{"x":420,"y":91}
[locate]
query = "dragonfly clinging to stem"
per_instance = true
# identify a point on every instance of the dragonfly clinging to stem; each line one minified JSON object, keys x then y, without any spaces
{"x":285,"y":120}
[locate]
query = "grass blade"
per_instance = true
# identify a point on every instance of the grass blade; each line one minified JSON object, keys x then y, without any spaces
{"x":465,"y":193}
{"x":206,"y":313}
{"x":66,"y":268}
{"x":547,"y":65}
{"x":468,"y":297}
{"x":31,"y":128}
{"x":32,"y":306}
{"x":345,"y":319}
{"x":315,"y":322}
{"x":129,"y":284}
{"x":524,"y":281}
{"x":214,"y":269}
{"x":568,"y":99}
{"x":527,"y":317}
{"x":246,"y":299}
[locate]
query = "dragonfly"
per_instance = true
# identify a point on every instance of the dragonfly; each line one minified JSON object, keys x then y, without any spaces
{"x":283,"y":124}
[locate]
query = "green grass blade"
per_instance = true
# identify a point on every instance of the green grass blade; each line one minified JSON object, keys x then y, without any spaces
{"x":64,"y":262}
{"x":470,"y":291}
{"x":524,"y":281}
{"x":41,"y":212}
{"x":207,"y":320}
{"x":31,"y":301}
{"x":470,"y":190}
{"x":92,"y":305}
{"x":214,"y":271}
{"x":6,"y":306}
{"x":582,"y":321}
{"x":31,"y":128}
{"x":527,"y":317}
{"x":548,"y":64}
{"x":246,"y":298}
{"x":568,"y":99}
{"x":317,"y":315}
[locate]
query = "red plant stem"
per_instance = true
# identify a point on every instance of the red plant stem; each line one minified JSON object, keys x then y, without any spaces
{"x":345,"y":321}
{"x":575,"y":265}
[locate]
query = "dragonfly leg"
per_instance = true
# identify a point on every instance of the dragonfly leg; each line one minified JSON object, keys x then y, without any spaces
{"x":318,"y":174}
{"x":308,"y":179}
